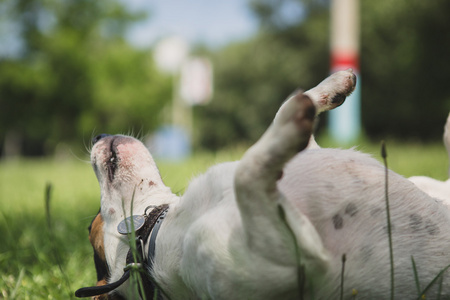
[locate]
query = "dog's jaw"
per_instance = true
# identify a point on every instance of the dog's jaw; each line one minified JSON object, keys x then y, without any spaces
{"x":127,"y":175}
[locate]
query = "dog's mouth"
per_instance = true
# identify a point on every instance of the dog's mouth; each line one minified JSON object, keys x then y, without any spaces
{"x":105,"y":157}
{"x":112,"y":161}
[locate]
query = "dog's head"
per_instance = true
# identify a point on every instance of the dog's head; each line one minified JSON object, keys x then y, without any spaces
{"x":126,"y":172}
{"x":123,"y":164}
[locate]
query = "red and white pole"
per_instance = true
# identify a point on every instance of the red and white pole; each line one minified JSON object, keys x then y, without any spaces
{"x":345,"y":122}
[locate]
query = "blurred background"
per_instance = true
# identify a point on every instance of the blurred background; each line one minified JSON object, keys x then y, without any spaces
{"x":72,"y":69}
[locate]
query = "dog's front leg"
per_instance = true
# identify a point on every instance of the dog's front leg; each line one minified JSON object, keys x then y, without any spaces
{"x":258,"y":197}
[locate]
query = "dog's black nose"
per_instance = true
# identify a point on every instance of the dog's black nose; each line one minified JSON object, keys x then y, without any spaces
{"x":99,"y":137}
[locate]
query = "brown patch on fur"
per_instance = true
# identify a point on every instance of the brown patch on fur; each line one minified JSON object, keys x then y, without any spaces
{"x":102,"y":296}
{"x":106,"y":296}
{"x":96,"y":238}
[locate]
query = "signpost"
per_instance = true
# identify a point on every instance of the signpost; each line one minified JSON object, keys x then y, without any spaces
{"x":192,"y":85}
{"x":345,"y":121}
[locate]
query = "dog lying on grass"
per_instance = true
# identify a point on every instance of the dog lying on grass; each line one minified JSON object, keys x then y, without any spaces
{"x":284,"y":222}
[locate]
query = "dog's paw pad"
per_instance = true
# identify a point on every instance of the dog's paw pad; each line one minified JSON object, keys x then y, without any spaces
{"x":332,"y":91}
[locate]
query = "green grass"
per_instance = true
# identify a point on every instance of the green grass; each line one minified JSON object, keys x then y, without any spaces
{"x":29,"y":251}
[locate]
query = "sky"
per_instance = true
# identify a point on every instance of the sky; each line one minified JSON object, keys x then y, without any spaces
{"x":211,"y":22}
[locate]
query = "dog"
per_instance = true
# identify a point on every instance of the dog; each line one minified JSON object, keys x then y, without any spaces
{"x":287,"y":221}
{"x":433,"y":187}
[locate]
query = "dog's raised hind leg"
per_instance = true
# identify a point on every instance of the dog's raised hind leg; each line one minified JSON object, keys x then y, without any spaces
{"x":258,"y":197}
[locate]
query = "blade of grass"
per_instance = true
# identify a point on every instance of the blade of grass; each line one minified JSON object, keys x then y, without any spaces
{"x":388,"y":216}
{"x":344,"y":258}
{"x":432,"y":282}
{"x":416,"y":275}
{"x":300,"y":268}
{"x":136,"y":279}
{"x":440,"y":288}
{"x":53,"y":238}
{"x":354,"y":294}
{"x":18,"y":283}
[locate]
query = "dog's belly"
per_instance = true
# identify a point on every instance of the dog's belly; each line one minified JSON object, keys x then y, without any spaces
{"x":343,"y":194}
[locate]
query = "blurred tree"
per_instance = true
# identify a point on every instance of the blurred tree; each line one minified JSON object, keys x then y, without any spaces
{"x":403,"y":65}
{"x":254,"y":77}
{"x":75,"y":74}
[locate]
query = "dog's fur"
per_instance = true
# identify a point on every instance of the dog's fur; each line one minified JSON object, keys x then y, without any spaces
{"x":433,"y":187}
{"x":244,"y":229}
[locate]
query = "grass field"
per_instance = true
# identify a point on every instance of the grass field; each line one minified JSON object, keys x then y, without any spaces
{"x":45,"y":257}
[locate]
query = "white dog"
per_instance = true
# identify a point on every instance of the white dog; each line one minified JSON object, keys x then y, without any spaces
{"x":436,"y":188}
{"x":276,"y":224}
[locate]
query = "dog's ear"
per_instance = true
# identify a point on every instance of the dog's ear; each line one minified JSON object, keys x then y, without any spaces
{"x":96,"y":239}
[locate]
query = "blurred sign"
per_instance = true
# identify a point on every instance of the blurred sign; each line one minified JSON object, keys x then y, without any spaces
{"x":170,"y":53}
{"x":345,"y":121}
{"x":196,"y":82}
{"x":170,"y":143}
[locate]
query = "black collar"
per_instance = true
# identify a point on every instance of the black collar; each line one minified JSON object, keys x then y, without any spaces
{"x":144,"y":264}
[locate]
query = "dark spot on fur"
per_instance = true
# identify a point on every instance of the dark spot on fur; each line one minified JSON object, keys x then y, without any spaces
{"x":415,"y":222}
{"x":151,"y":183}
{"x":375,"y":212}
{"x":351,"y":209}
{"x":366,"y":252}
{"x":329,"y":186}
{"x":431,"y":228}
{"x":280,"y":175}
{"x":338,"y":99}
{"x":338,"y":222}
{"x":98,"y":138}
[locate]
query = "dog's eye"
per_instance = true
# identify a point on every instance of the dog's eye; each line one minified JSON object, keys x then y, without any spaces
{"x":99,"y":137}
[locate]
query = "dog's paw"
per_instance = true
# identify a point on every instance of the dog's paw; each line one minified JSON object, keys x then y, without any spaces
{"x":332,"y":91}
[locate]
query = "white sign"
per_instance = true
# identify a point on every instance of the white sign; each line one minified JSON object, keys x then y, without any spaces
{"x":196,"y":82}
{"x":170,"y":53}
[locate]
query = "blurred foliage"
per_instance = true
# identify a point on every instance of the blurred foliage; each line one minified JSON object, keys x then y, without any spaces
{"x":253,"y":78}
{"x":75,"y":74}
{"x":404,"y":69}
